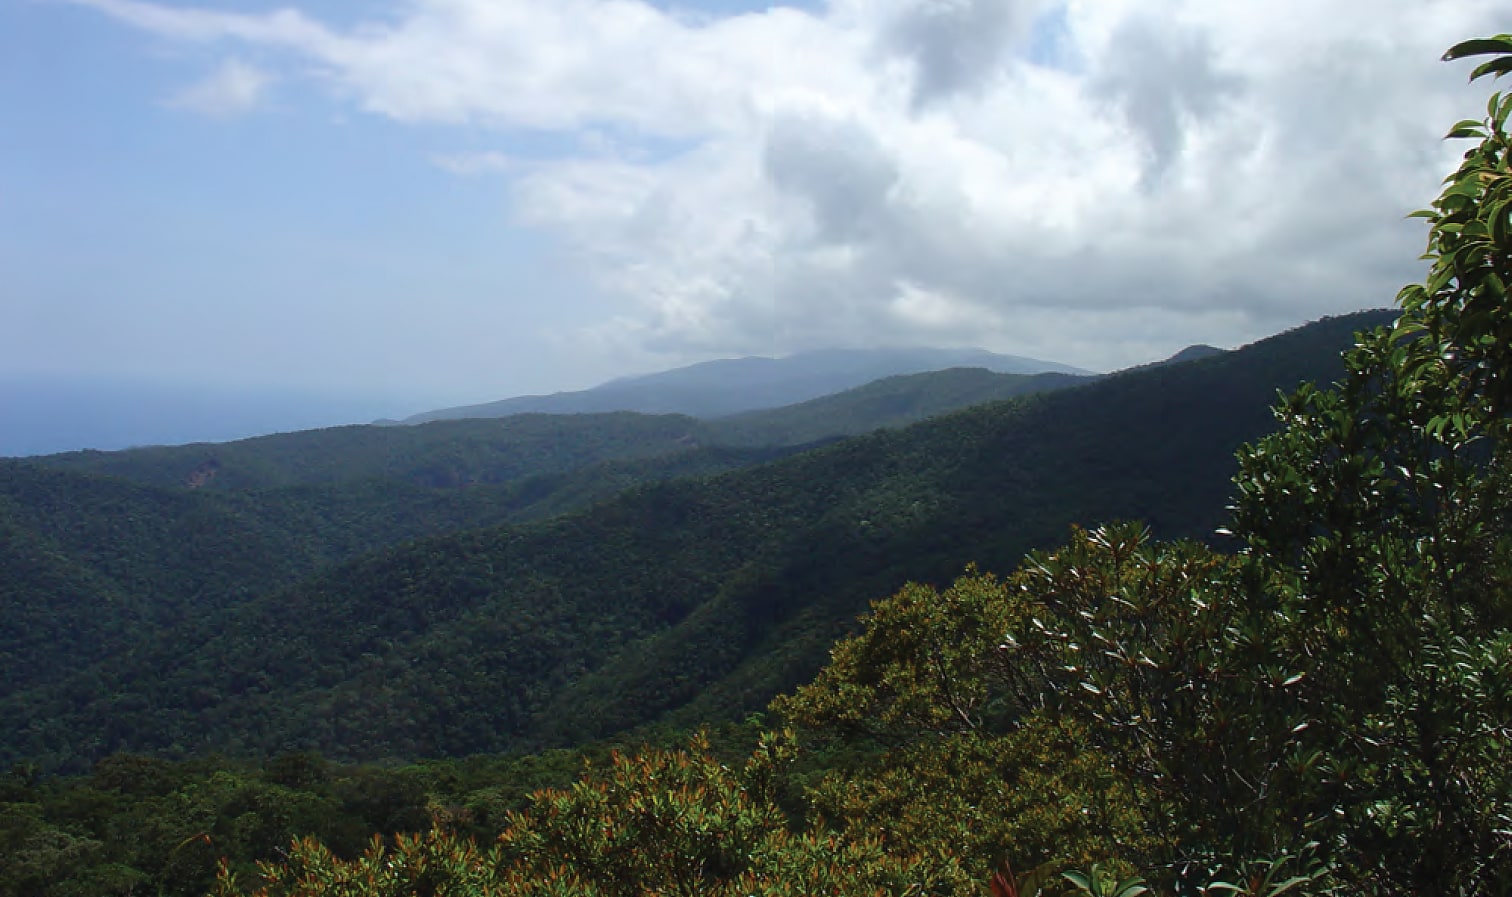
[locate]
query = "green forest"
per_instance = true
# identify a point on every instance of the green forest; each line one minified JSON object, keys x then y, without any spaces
{"x":387,"y":620}
{"x":1168,"y":631}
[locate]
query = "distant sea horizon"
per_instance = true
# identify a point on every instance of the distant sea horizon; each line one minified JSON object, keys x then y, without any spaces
{"x":44,"y":415}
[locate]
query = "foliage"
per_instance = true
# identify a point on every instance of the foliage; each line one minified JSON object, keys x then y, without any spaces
{"x":671,"y":822}
{"x":144,"y":825}
{"x":1111,"y":653}
{"x":1379,"y":516}
{"x":917,"y":666}
{"x":1041,"y":790}
{"x":1101,"y":882}
{"x":674,"y":822}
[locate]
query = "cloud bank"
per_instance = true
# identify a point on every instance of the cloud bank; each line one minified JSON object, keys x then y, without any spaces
{"x":1096,"y":181}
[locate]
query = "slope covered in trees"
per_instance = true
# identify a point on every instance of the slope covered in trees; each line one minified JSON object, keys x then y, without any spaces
{"x":452,"y":453}
{"x":694,"y":599}
{"x":471,"y":452}
{"x":97,"y":566}
{"x":105,"y":551}
{"x":891,"y":402}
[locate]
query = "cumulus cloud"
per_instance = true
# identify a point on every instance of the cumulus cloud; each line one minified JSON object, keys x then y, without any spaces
{"x":841,"y":173}
{"x":232,"y":89}
{"x":957,"y":45}
{"x":1167,"y":82}
{"x":1097,"y":181}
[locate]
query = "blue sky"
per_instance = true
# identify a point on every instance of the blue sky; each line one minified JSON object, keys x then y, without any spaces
{"x":302,"y":246}
{"x":439,"y":202}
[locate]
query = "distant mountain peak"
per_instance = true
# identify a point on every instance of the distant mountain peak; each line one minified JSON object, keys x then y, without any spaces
{"x":734,"y":385}
{"x":1194,"y":353}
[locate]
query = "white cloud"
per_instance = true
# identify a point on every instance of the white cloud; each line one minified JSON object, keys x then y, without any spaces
{"x":934,"y":171}
{"x":232,"y":89}
{"x":957,"y":45}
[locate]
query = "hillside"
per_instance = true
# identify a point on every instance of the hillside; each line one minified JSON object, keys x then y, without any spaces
{"x":890,"y":402}
{"x":105,"y":550}
{"x":94,"y":565}
{"x":447,"y":454}
{"x":444,"y":454}
{"x":687,"y":600}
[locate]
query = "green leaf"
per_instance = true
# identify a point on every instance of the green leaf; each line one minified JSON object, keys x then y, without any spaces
{"x":1468,"y":128}
{"x":1482,"y":46}
{"x":1440,"y":279}
{"x":1080,"y":879}
{"x":1287,"y":885}
{"x":1497,"y":67}
{"x":1503,"y":109}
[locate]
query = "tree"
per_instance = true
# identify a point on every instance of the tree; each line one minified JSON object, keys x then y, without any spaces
{"x":1378,"y":519}
{"x":677,"y":823}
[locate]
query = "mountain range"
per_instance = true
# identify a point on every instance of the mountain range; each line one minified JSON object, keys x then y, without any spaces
{"x":735,"y":385}
{"x":491,"y":585}
{"x":42,"y":415}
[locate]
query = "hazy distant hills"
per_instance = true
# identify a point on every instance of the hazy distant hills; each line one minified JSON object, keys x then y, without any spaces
{"x":731,"y":386}
{"x":47,"y":415}
{"x":442,"y":454}
{"x":685,"y":586}
{"x":483,"y":451}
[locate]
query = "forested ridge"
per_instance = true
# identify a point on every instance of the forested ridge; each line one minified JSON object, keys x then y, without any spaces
{"x":1313,"y":699}
{"x":732,"y":386}
{"x":445,"y":453}
{"x":257,"y":621}
{"x":700,"y":598}
{"x":471,"y":452}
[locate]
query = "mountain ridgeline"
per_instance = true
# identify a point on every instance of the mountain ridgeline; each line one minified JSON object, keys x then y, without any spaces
{"x":497,"y":585}
{"x":736,"y":385}
{"x":490,"y":451}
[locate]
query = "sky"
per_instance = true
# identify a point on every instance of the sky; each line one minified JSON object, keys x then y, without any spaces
{"x":441,"y":202}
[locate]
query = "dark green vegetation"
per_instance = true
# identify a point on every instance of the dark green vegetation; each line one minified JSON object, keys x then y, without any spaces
{"x":138,"y":825}
{"x":447,"y":454}
{"x":241,"y":626}
{"x":257,"y":621}
{"x":890,"y":402}
{"x":1317,"y":702}
{"x":455,"y":453}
